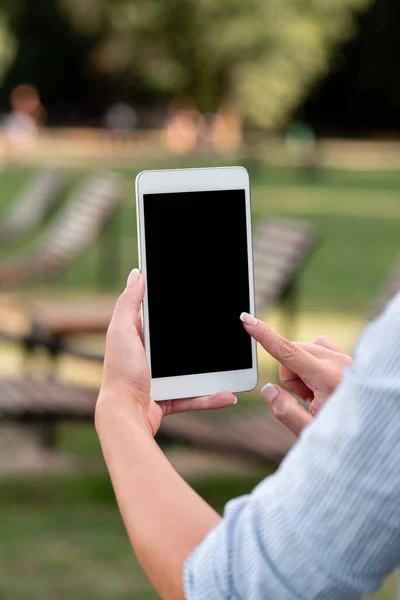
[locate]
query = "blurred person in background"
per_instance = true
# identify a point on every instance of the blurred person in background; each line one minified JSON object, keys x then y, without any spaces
{"x":302,"y":146}
{"x":22,"y":126}
{"x":325,"y":526}
{"x":121,"y":119}
{"x":227,"y":129}
{"x":222,"y":131}
{"x":184,"y":128}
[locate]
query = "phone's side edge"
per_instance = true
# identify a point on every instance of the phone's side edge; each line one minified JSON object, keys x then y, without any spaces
{"x":251,"y":273}
{"x":142,"y":264}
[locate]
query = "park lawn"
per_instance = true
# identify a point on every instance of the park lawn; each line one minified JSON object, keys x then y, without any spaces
{"x":62,"y":537}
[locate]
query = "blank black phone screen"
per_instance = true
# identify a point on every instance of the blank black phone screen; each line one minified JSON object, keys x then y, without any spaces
{"x":197,"y":282}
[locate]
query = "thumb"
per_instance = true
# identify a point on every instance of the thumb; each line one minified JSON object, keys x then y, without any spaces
{"x":286,"y":408}
{"x":126,"y":312}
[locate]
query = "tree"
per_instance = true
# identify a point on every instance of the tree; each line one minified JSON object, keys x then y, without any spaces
{"x":361,"y":93}
{"x":49,"y":53}
{"x":261,"y":55}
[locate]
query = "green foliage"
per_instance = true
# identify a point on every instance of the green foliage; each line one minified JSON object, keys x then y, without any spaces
{"x":49,"y":52}
{"x":308,"y":33}
{"x":262,"y":55}
{"x":7,"y":45}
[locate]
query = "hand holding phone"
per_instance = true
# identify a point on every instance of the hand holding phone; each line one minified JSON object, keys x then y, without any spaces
{"x":125,"y":389}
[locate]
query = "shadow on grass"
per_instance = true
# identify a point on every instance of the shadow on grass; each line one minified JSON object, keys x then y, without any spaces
{"x":65,"y":490}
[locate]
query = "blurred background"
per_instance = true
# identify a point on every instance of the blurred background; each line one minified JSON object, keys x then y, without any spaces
{"x":306,"y":95}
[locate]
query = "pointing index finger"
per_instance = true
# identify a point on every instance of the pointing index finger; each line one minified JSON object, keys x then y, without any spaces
{"x":286,"y":352}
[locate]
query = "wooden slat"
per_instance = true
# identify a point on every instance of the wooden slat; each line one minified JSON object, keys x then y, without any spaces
{"x":32,"y":205}
{"x":73,"y":230}
{"x":61,"y":319}
{"x":291,"y":258}
{"x":280,"y":249}
{"x":31,"y":399}
{"x":258,"y":436}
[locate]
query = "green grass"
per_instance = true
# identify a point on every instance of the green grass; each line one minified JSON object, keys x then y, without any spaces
{"x":62,"y":537}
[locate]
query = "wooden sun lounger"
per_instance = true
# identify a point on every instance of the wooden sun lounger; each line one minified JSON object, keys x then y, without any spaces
{"x":281,"y":247}
{"x":73,"y":230}
{"x":257,"y":436}
{"x":31,"y":207}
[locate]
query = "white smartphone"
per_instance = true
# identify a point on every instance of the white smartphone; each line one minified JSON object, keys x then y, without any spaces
{"x":195,"y":252}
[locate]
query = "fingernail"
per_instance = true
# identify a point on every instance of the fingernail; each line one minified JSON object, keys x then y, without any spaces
{"x":235,"y":400}
{"x":133,"y":277}
{"x":248,"y":319}
{"x":269,"y":392}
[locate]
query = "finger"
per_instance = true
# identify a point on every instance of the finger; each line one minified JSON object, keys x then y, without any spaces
{"x":317,"y":350}
{"x":322,"y":348}
{"x":286,"y":408}
{"x":126,"y":312}
{"x":324,"y":341}
{"x":294,"y":384}
{"x":287,"y":353}
{"x":315,"y":406}
{"x":220,"y":400}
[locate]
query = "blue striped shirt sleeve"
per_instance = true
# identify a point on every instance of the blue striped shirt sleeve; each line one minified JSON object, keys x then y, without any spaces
{"x":326,"y":526}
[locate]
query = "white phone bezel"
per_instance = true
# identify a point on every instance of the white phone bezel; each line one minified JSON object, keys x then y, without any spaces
{"x":193,"y":180}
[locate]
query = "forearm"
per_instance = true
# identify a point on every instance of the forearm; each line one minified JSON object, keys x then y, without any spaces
{"x":164,"y":517}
